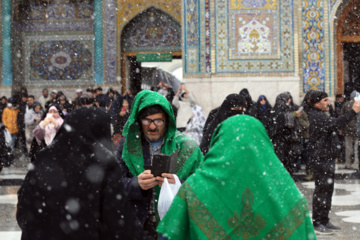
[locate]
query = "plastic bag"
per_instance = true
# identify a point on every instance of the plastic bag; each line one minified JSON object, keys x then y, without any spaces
{"x":357,"y":97}
{"x":167,"y":194}
{"x":8,"y":139}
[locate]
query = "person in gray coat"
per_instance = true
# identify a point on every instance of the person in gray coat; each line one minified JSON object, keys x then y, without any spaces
{"x":351,"y":136}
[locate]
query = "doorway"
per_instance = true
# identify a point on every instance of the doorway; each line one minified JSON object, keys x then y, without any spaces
{"x":151,"y":32}
{"x":348,"y":47}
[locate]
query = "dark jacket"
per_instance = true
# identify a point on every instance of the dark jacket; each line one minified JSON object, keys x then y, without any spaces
{"x":263,"y":114}
{"x":324,"y":142}
{"x":139,"y":199}
{"x":2,"y":107}
{"x":350,"y":128}
{"x":74,"y":190}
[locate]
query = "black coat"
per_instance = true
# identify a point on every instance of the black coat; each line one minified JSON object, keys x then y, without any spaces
{"x":324,"y":141}
{"x":265,"y":117}
{"x":74,"y":190}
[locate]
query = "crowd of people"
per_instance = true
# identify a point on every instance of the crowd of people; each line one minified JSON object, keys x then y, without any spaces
{"x":221,"y":163}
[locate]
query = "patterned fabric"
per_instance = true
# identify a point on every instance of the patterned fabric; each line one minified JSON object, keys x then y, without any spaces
{"x":195,"y":126}
{"x":242,"y":191}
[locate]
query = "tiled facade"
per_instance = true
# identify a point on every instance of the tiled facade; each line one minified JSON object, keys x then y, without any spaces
{"x":226,"y":39}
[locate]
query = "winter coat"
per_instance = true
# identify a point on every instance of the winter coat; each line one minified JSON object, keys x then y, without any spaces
{"x":74,"y":190}
{"x":6,"y":157}
{"x":2,"y":107}
{"x":42,"y":100}
{"x":280,"y":132}
{"x":350,"y":128}
{"x":9,"y":118}
{"x":263,"y":115}
{"x":210,"y":118}
{"x":184,"y":109}
{"x":304,"y":123}
{"x":134,"y":152}
{"x":324,"y":142}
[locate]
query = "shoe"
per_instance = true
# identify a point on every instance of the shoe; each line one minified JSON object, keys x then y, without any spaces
{"x":322,"y":230}
{"x":332,"y":227}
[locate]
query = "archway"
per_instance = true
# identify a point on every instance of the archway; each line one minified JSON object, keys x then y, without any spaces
{"x":348,"y":47}
{"x":150,"y":32}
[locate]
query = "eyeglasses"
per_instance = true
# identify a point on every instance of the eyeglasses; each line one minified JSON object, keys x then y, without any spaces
{"x":158,"y":122}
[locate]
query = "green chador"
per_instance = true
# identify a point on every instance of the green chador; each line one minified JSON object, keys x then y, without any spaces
{"x":241,"y":191}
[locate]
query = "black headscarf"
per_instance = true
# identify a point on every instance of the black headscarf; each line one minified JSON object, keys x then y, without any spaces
{"x":75,"y":189}
{"x":249,"y":102}
{"x":224,"y":112}
{"x":282,"y":104}
{"x":305,"y":104}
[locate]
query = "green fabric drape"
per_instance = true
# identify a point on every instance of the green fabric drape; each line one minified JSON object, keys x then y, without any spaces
{"x":242,"y":191}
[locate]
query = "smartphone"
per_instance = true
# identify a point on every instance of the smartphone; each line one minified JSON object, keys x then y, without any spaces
{"x":49,"y":115}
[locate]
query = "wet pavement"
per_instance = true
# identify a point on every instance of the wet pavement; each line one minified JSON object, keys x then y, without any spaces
{"x":345,"y":206}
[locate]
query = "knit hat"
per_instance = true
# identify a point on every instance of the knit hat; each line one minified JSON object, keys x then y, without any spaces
{"x":150,"y":111}
{"x":78,"y":90}
{"x":317,"y":96}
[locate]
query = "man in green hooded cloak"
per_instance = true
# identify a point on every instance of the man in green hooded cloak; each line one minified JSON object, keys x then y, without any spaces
{"x":151,"y":129}
{"x":241,"y":191}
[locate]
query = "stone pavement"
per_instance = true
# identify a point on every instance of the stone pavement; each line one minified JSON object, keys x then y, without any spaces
{"x":345,"y":207}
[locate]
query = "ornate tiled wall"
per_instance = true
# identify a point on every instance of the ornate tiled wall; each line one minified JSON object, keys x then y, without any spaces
{"x":128,"y":10}
{"x":241,"y":37}
{"x":314,"y":45}
{"x":57,"y":59}
{"x":152,"y":31}
{"x":58,"y":44}
{"x":191,"y":25}
{"x":249,"y":30}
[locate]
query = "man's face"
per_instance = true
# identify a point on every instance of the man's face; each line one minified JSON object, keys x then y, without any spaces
{"x":79,"y":94}
{"x":30,"y":101}
{"x":53,"y":95}
{"x":24,"y":99}
{"x":3,"y":100}
{"x":111,"y":95}
{"x":323,"y":105}
{"x":45,"y":93}
{"x":153,"y":132}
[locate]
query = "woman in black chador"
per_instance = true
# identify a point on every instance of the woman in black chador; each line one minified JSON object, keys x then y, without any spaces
{"x":74,"y":190}
{"x":233,"y":104}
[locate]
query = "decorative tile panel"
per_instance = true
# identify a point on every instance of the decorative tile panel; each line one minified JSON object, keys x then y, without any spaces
{"x":60,"y":11}
{"x":207,"y":37}
{"x":128,"y":10}
{"x":86,"y":10}
{"x":249,"y":30}
{"x":191,"y":36}
{"x":152,"y":31}
{"x":59,"y":59}
{"x":313,"y":52}
{"x":36,"y":12}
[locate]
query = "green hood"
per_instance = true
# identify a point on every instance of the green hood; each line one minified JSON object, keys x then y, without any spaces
{"x":241,"y":191}
{"x":132,"y":152}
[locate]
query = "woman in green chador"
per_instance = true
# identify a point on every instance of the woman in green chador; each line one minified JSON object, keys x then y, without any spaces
{"x":242,"y":191}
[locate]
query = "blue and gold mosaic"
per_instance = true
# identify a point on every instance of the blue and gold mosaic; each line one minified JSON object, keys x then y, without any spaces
{"x":313,"y":52}
{"x":59,"y":59}
{"x":254,"y":36}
